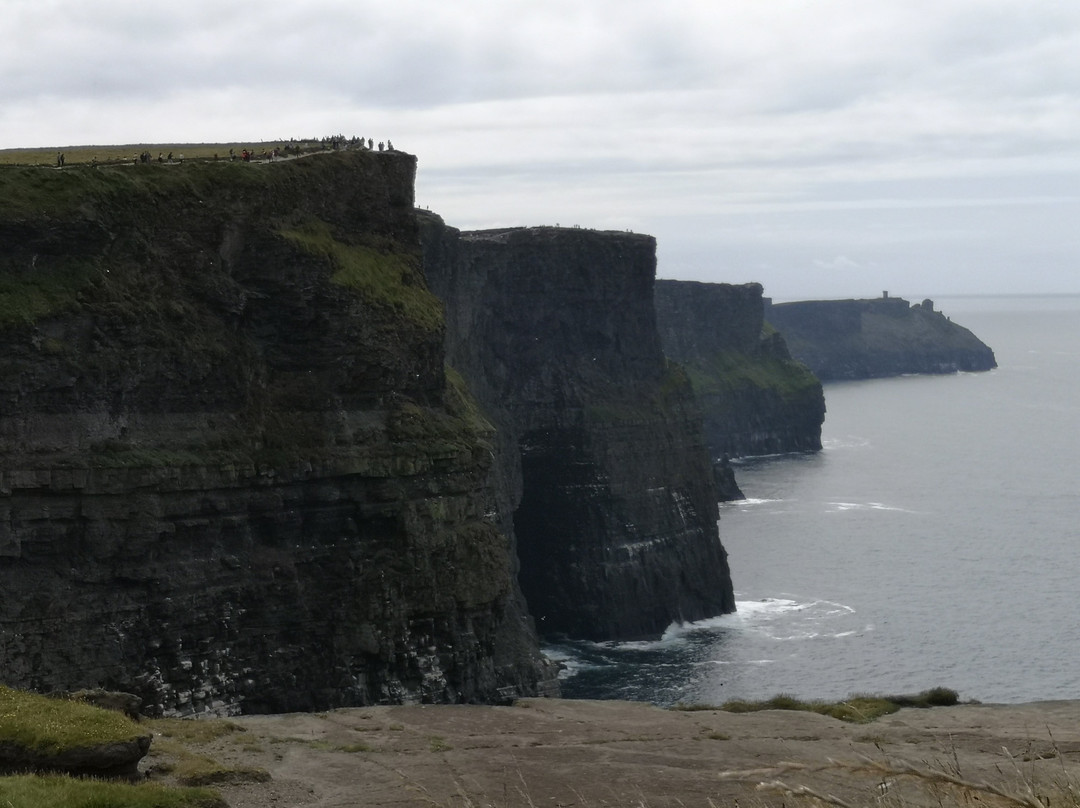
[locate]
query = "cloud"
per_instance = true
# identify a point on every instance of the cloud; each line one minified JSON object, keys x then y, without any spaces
{"x":840,"y":263}
{"x":764,"y":135}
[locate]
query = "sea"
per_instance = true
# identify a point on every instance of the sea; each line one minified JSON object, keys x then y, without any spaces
{"x":933,"y":541}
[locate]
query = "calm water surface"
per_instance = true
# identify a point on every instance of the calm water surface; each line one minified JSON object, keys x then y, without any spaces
{"x":934,"y":541}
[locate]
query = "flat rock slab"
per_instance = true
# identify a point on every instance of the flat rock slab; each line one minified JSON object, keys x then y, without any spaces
{"x":551,"y":752}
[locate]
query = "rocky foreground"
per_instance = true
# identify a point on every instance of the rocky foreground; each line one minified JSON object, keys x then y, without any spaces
{"x":549,"y":752}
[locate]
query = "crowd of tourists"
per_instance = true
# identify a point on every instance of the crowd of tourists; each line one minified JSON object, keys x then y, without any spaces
{"x":287,"y":150}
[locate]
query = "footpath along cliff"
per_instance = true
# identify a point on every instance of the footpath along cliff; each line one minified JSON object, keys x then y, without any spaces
{"x":756,"y":400}
{"x":864,"y":339}
{"x":609,"y":481}
{"x":234,"y":475}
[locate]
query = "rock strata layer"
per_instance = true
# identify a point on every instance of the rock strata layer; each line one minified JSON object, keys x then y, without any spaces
{"x":233,"y":473}
{"x":756,"y":400}
{"x":863,"y":339}
{"x":610,"y":486}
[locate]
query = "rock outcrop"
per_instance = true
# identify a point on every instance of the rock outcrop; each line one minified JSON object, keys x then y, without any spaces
{"x":756,"y":400}
{"x":862,"y":339}
{"x":233,"y":473}
{"x":69,"y":736}
{"x":601,"y":443}
{"x":116,"y":759}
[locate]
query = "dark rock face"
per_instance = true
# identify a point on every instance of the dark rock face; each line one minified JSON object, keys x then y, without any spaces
{"x":603,"y":457}
{"x":233,"y":475}
{"x":862,"y":339}
{"x":755,"y":399}
{"x":118,"y":759}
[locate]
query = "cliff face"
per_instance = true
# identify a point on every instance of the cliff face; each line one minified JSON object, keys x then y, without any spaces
{"x":607,"y":476}
{"x":861,"y":339}
{"x":755,"y":399}
{"x":233,"y":474}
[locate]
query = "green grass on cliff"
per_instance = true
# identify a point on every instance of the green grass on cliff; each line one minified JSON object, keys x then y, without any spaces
{"x":859,"y":709}
{"x":35,"y":193}
{"x":730,"y":371}
{"x":27,"y":297}
{"x":53,"y":725}
{"x":59,"y":791}
{"x":461,"y":404}
{"x":383,"y":277}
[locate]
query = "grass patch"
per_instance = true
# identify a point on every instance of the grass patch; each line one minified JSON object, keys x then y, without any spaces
{"x":901,"y":784}
{"x":858,"y":709}
{"x":461,"y":404}
{"x":356,"y":747}
{"x":385,"y":277}
{"x":196,"y":770}
{"x":125,"y":153}
{"x":51,"y":725}
{"x":58,"y":791}
{"x":730,"y":371}
{"x":172,"y":755}
{"x":29,"y":295}
{"x":439,"y":744}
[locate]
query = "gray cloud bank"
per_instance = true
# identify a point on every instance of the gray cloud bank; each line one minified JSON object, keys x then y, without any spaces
{"x":824,"y":149}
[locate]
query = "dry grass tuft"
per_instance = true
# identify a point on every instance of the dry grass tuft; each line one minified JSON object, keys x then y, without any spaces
{"x":901,"y":784}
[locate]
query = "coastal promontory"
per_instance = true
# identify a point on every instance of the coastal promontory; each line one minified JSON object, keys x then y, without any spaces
{"x":887,"y":336}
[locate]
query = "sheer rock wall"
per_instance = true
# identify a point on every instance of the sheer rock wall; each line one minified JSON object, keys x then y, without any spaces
{"x":756,"y":400}
{"x":603,"y":455}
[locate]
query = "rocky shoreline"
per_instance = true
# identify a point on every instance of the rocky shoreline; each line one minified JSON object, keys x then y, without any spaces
{"x":555,"y":752}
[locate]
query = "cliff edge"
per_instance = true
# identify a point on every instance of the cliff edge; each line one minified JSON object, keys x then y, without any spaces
{"x":863,"y":339}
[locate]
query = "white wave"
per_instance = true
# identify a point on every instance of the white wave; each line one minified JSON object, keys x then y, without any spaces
{"x":667,"y":639}
{"x":750,"y":501}
{"x":778,"y":618}
{"x":769,"y":606}
{"x":840,"y":507}
{"x":846,"y":442}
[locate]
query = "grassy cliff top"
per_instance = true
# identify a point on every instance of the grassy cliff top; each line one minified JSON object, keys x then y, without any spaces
{"x":119,"y":153}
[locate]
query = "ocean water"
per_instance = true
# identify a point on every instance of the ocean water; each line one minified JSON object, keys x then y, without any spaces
{"x":935,"y":540}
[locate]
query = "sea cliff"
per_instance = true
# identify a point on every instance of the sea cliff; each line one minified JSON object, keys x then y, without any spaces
{"x":756,"y":400}
{"x":234,"y":475}
{"x":601,"y":439}
{"x":237,"y":473}
{"x":888,"y":336}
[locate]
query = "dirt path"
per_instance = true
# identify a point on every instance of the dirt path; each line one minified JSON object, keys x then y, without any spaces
{"x":580,"y":753}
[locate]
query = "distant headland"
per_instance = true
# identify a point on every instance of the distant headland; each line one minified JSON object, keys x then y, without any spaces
{"x":886,"y":336}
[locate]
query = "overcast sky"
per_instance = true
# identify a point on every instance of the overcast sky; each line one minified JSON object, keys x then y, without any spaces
{"x":826,"y":148}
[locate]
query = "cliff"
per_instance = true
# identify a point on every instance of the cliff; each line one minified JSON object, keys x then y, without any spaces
{"x":233,"y":473}
{"x":861,"y":339}
{"x":608,"y":480}
{"x":756,"y":400}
